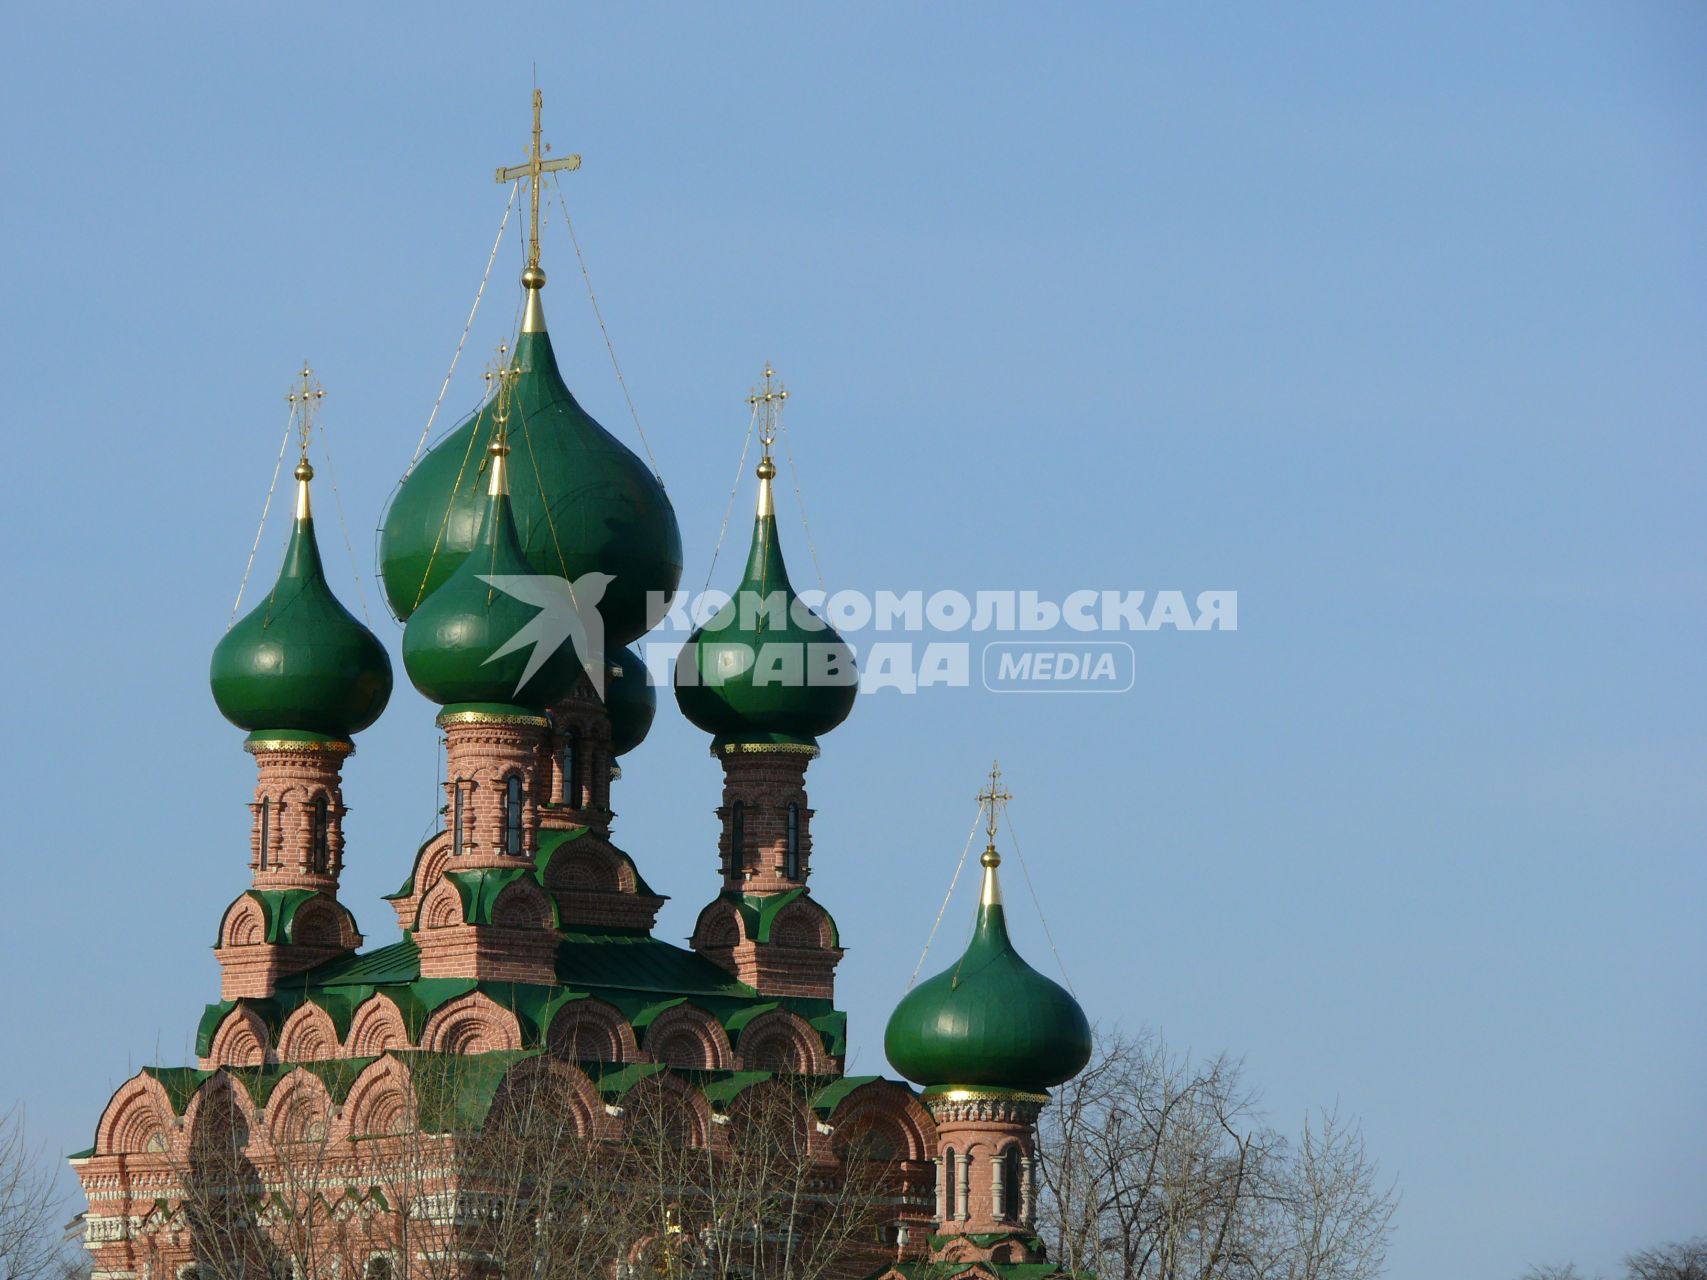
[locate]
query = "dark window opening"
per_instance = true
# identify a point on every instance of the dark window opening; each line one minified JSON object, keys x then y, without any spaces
{"x":322,"y":840}
{"x":513,"y":816}
{"x":571,"y":771}
{"x":1014,"y":1170}
{"x":791,"y":855}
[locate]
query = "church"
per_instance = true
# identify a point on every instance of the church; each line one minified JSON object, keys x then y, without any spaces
{"x":338,"y":1118}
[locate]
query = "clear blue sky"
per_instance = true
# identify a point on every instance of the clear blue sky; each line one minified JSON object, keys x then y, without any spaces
{"x":1391,"y":321}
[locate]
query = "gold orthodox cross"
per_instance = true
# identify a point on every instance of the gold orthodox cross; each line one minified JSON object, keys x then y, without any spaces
{"x":769,"y":401}
{"x":304,"y":400}
{"x":989,"y":799}
{"x":503,"y":372}
{"x":532,"y":169}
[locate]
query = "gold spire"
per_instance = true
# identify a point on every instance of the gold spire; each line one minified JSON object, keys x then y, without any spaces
{"x":767,"y":403}
{"x":533,"y":169}
{"x":989,"y":799}
{"x":304,"y":400}
{"x":504,"y":373}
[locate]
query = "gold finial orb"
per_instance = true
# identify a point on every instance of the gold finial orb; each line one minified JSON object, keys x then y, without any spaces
{"x":990,"y":858}
{"x":500,"y":447}
{"x":304,"y":471}
{"x":767,"y":468}
{"x":533,"y":277}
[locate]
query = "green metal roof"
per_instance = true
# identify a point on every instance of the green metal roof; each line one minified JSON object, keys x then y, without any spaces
{"x":733,"y":679}
{"x":454,"y":639}
{"x":279,"y":908}
{"x":759,"y":912}
{"x":481,"y":888}
{"x":398,"y":962}
{"x":991,"y":1019}
{"x":581,"y":502}
{"x":300,"y":660}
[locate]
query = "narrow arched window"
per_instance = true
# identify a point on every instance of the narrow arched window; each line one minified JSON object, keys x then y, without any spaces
{"x":571,"y":765}
{"x":949,"y":1168}
{"x":791,"y":850}
{"x":1013,"y":1170}
{"x":266,"y":832}
{"x":513,"y":816}
{"x":737,"y":833}
{"x":322,"y":836}
{"x":456,"y":819}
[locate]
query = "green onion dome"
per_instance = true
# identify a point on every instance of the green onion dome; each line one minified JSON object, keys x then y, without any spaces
{"x":300,"y":661}
{"x":630,"y":701}
{"x":754,"y":675}
{"x":581,"y":501}
{"x":472,"y":642}
{"x":992,"y":1020}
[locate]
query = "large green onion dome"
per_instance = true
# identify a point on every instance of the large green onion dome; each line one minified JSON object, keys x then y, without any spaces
{"x":300,"y":662}
{"x":630,"y":700}
{"x":992,"y":1020}
{"x":754,"y":675}
{"x":451,"y":647}
{"x":581,"y":500}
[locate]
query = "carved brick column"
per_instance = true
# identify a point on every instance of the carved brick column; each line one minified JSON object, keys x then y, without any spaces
{"x":764,"y":927}
{"x":485,"y":916}
{"x":766,"y":845}
{"x":580,"y":762}
{"x":484,"y":751}
{"x":290,"y":919}
{"x":296,"y":838}
{"x":990,"y":1135}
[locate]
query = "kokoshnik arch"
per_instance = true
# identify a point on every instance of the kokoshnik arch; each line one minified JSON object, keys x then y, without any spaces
{"x":527,"y":942}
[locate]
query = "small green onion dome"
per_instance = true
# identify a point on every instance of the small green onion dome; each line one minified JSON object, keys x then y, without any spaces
{"x":581,"y":501}
{"x":754,"y":675}
{"x":992,"y":1020}
{"x":300,"y":661}
{"x":630,"y":700}
{"x":451,"y":646}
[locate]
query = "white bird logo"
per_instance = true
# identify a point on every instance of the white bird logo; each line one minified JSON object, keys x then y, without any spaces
{"x":567,"y":611}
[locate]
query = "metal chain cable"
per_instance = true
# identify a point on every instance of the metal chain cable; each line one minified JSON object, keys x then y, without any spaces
{"x":604,"y":332}
{"x":800,"y":502}
{"x":266,"y":506}
{"x":338,"y":502}
{"x":1014,"y":836}
{"x":943,"y":910}
{"x":515,"y":190}
{"x":729,"y":510}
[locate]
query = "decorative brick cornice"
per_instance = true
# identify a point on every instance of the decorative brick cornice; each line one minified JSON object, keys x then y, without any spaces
{"x":519,"y":718}
{"x":986,"y":1106}
{"x":766,"y":749}
{"x":297,"y":747}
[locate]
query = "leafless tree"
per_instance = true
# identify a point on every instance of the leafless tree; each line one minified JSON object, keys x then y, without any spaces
{"x":297,"y":1201}
{"x":766,"y":1191}
{"x":32,"y":1239}
{"x":1685,"y":1260}
{"x":1158,"y":1168}
{"x":550,"y":1183}
{"x":1680,"y":1260}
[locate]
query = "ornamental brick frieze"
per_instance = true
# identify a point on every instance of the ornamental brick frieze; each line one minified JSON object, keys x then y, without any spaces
{"x":946,"y":1110}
